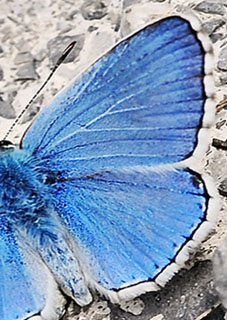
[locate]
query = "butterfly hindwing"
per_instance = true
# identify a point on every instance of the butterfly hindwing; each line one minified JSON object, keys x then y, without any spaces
{"x":19,"y":295}
{"x":132,"y":222}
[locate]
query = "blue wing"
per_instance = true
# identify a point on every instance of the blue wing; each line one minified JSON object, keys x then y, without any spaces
{"x":141,"y":104}
{"x":16,"y":282}
{"x":132,"y":223}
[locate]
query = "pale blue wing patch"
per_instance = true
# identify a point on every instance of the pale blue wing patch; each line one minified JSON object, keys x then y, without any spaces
{"x":19,"y":294}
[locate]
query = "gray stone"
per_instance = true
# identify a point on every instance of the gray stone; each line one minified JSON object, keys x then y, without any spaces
{"x":211,"y":7}
{"x":6,"y":109}
{"x":23,"y":57}
{"x":219,"y":144}
{"x":57,"y":46}
{"x":1,"y":50}
{"x":223,"y":191}
{"x":214,"y":37}
{"x":222,"y":59}
{"x":23,"y":46}
{"x":135,"y":307}
{"x":5,"y":31}
{"x":220,"y":124}
{"x":64,"y":27}
{"x":212,"y":25}
{"x":94,"y":9}
{"x":72,"y":14}
{"x":128,"y":3}
{"x":11,"y":94}
{"x":115,"y":19}
{"x":92,"y":28}
{"x":223,"y":80}
{"x":1,"y":74}
{"x":220,"y":271}
{"x":27,"y":72}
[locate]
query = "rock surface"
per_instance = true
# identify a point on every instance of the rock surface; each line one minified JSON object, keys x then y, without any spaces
{"x":211,"y":7}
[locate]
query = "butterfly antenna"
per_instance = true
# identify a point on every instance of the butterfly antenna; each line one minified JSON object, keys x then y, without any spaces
{"x":58,"y":63}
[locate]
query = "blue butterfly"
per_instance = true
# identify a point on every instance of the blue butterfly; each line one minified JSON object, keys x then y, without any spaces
{"x":103,"y":193}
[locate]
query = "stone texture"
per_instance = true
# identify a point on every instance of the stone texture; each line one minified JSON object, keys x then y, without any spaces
{"x":211,"y":7}
{"x":6,"y":109}
{"x":220,"y":270}
{"x":94,"y":9}
{"x":98,"y":310}
{"x":23,"y":57}
{"x":57,"y":45}
{"x":216,"y":37}
{"x":27,"y":72}
{"x":128,"y":3}
{"x":220,"y":124}
{"x":223,"y":80}
{"x":212,"y":25}
{"x":72,"y":14}
{"x":219,"y":144}
{"x":134,"y":307}
{"x":92,"y":28}
{"x":222,"y":59}
{"x":223,"y":190}
{"x":1,"y":74}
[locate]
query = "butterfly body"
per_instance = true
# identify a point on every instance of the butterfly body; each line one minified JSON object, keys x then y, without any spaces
{"x":104,"y":192}
{"x":24,"y":195}
{"x":27,"y":211}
